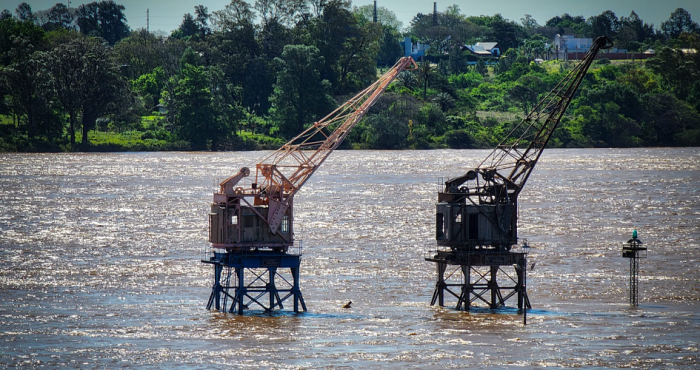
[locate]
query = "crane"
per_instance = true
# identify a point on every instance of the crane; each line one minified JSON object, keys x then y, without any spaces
{"x":492,"y":188}
{"x":476,"y":214}
{"x":266,"y":203}
{"x":256,"y":215}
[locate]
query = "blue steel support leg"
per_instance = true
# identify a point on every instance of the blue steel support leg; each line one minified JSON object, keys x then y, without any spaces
{"x":240,"y":292}
{"x":465,"y":297}
{"x":214,"y":298}
{"x":439,"y":294}
{"x":271,"y":288}
{"x":298,"y":298}
{"x":493,"y":285}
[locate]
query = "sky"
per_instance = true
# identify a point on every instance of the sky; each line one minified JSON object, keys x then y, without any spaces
{"x":166,"y":15}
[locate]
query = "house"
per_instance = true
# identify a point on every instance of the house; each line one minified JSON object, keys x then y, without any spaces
{"x":160,"y":108}
{"x":415,"y":51}
{"x":570,"y":44}
{"x":484,"y":49}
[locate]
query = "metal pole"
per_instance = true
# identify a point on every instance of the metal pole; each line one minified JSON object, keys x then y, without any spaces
{"x":524,"y":289}
{"x":375,"y":11}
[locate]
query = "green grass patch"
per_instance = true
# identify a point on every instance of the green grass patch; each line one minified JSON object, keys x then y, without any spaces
{"x":129,"y":141}
{"x":6,"y":120}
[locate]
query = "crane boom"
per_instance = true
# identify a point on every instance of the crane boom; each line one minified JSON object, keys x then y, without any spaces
{"x":280,"y":175}
{"x":538,"y":126}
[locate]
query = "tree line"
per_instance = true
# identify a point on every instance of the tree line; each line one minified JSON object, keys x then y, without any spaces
{"x":251,"y":76}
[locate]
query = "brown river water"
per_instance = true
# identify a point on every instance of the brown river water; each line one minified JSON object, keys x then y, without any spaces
{"x":100,"y":265}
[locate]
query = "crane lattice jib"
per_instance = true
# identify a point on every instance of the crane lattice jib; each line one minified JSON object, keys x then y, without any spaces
{"x":537,"y":127}
{"x":284,"y":171}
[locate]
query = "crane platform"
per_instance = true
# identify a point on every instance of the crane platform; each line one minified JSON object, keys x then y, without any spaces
{"x":261,"y":278}
{"x":476,"y":278}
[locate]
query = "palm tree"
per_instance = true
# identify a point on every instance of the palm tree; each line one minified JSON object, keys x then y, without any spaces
{"x":424,"y":73}
{"x":444,"y":100}
{"x":408,"y":79}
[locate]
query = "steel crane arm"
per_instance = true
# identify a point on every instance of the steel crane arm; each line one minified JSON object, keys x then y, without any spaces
{"x":516,"y":156}
{"x":289,"y":167}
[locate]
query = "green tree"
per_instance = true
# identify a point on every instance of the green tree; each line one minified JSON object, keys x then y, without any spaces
{"x":425,"y":72}
{"x":408,"y":79}
{"x":505,"y":32}
{"x":384,"y":16}
{"x":112,"y":21}
{"x":604,"y":24}
{"x":87,"y":19}
{"x":678,"y":71}
{"x":672,"y":121}
{"x":349,"y":45}
{"x":529,"y":23}
{"x":300,"y":95}
{"x":187,"y":28}
{"x":59,"y":16}
{"x":142,"y":51}
{"x":457,"y":60}
{"x":523,"y":95}
{"x":637,"y":27}
{"x":149,"y":87}
{"x":105,"y":19}
{"x":386,"y":132}
{"x":87,"y":81}
{"x":679,"y":22}
{"x":202,"y":16}
{"x":459,"y":139}
{"x":21,"y":72}
{"x":24,"y":13}
{"x":390,"y":50}
{"x":226,"y":107}
{"x":194,"y":117}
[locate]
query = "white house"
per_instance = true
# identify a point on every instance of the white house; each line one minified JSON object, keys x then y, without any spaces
{"x":485,"y":49}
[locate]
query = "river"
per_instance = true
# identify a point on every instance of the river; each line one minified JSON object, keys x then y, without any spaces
{"x":100,"y":265}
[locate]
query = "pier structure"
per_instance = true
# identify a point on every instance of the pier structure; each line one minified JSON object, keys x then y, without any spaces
{"x":255,"y":278}
{"x":474,"y":277}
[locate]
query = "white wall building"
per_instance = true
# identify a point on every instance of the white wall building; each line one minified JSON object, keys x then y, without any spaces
{"x":571,"y":44}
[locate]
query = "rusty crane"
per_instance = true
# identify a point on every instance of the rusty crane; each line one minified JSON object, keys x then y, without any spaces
{"x":477,"y":213}
{"x":251,"y":224}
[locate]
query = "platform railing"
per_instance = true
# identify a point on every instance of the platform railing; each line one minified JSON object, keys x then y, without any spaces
{"x":207,"y":251}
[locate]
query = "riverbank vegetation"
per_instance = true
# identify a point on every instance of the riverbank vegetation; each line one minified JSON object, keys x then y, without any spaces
{"x":249,"y":77}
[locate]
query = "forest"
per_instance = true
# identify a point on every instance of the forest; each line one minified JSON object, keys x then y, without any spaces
{"x":252,"y":75}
